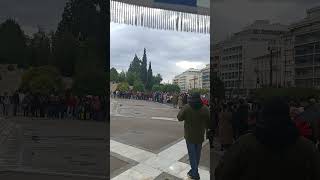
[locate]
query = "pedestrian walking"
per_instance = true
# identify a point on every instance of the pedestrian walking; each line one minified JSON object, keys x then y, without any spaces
{"x":6,"y":104}
{"x":175,"y":100}
{"x":180,"y":102}
{"x":275,"y":150}
{"x":196,"y":118}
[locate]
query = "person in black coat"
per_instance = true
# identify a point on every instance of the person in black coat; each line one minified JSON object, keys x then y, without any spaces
{"x":240,"y":119}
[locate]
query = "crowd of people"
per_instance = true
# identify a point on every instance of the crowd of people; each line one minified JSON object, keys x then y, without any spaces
{"x":178,"y":100}
{"x":281,"y":134}
{"x":54,"y":106}
{"x":235,"y":118}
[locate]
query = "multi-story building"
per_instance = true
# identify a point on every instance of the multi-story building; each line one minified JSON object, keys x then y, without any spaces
{"x":205,"y":77}
{"x":306,"y":39}
{"x":276,"y":64}
{"x":236,"y":55}
{"x":188,"y":80}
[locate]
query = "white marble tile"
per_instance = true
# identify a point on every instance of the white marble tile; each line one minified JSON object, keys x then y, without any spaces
{"x":151,"y":165}
{"x":147,"y":170}
{"x":175,"y":153}
{"x":204,"y":175}
{"x":141,"y":157}
{"x":132,"y":175}
{"x":165,"y":118}
{"x":176,"y":168}
{"x":159,"y":162}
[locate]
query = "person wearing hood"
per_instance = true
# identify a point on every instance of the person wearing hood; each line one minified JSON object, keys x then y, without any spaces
{"x":275,"y":150}
{"x":196,"y":118}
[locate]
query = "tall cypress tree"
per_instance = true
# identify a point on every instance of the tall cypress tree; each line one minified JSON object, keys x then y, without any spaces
{"x":144,"y":72}
{"x":135,"y":66}
{"x":149,"y":78}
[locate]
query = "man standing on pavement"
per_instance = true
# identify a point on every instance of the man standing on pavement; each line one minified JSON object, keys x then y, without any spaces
{"x":196,"y":118}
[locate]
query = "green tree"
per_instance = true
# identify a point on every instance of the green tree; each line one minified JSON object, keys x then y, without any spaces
{"x":149,"y":78}
{"x":13,"y":47}
{"x":66,"y":52}
{"x":157,"y":79}
{"x":86,"y":19}
{"x":138,"y":86}
{"x":122,"y":77}
{"x":43,"y":80}
{"x":135,"y":66}
{"x":114,"y":76}
{"x":131,"y":77}
{"x":90,"y":76}
{"x":123,"y":86}
{"x":156,"y":87}
{"x":143,"y":71}
{"x":40,"y":49}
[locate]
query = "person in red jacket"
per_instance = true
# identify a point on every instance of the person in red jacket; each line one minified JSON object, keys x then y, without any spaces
{"x":204,"y":101}
{"x":303,"y":126}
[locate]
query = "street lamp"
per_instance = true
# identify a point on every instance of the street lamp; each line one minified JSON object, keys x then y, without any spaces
{"x":271,"y":50}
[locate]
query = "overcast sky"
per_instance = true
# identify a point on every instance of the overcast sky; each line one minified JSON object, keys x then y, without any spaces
{"x":33,"y":13}
{"x":229,"y":16}
{"x":170,"y":52}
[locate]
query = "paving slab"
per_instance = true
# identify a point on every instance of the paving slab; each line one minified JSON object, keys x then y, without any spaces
{"x":165,"y":176}
{"x":119,"y":165}
{"x":152,"y":135}
{"x":64,"y":146}
{"x":16,"y":175}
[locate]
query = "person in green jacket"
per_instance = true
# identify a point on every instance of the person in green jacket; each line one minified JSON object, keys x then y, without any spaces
{"x":196,"y":118}
{"x":275,"y":150}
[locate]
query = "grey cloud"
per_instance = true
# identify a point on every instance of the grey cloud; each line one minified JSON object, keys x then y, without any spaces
{"x":230,"y":16}
{"x":33,"y":13}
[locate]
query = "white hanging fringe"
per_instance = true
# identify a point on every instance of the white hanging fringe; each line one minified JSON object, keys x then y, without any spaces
{"x":158,"y":18}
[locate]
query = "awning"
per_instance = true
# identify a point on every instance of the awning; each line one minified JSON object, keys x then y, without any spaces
{"x":175,"y":15}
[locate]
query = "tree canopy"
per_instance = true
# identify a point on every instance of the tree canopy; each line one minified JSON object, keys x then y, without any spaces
{"x":123,"y":86}
{"x":138,"y":86}
{"x":114,"y":75}
{"x":13,"y":43}
{"x":43,"y":80}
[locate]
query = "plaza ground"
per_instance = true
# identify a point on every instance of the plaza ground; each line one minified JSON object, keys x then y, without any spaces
{"x":146,"y":142}
{"x":54,"y":149}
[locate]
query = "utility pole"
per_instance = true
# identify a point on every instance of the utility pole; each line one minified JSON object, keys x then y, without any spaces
{"x":285,"y":68}
{"x":270,"y":49}
{"x":194,"y":81}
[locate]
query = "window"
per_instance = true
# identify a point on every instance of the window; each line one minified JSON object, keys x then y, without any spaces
{"x":305,"y":49}
{"x":304,"y":59}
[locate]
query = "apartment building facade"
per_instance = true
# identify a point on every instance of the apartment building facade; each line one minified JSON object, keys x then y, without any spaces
{"x":205,"y":77}
{"x":188,"y":80}
{"x":235,"y":55}
{"x":306,"y":40}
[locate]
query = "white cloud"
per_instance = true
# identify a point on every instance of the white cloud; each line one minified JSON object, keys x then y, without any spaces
{"x":184,"y":65}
